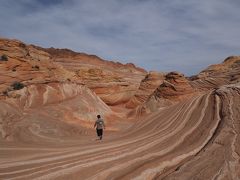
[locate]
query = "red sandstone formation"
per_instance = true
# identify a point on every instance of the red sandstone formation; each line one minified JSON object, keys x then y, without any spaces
{"x":113,"y":82}
{"x":30,"y":80}
{"x":41,"y":111}
{"x":146,"y":88}
{"x":180,"y":129}
{"x":216,"y":75}
{"x":174,"y":89}
{"x":28,"y":65}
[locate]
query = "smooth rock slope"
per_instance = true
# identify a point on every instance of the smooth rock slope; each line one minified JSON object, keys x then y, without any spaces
{"x":158,"y":125}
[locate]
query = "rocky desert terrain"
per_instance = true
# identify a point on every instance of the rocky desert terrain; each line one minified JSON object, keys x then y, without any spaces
{"x":159,"y":125}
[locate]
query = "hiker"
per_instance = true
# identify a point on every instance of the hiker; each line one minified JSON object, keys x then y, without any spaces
{"x":99,"y":124}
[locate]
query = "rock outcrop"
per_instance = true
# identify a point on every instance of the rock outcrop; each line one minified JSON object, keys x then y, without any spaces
{"x":55,"y":104}
{"x":180,"y":128}
{"x":195,"y":139}
{"x":217,"y":75}
{"x":174,"y":89}
{"x":147,"y":86}
{"x":36,"y":90}
{"x":113,"y":82}
{"x":28,"y":65}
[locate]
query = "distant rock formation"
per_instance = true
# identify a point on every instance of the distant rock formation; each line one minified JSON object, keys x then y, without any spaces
{"x":113,"y":82}
{"x":29,"y":66}
{"x":174,"y":89}
{"x":45,"y":83}
{"x":32,"y":83}
{"x":147,"y":86}
{"x":158,"y":126}
{"x":217,"y":75}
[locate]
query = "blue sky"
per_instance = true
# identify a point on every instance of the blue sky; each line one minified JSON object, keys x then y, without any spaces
{"x":162,"y":35}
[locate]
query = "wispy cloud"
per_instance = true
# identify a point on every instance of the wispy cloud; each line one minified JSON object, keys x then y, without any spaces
{"x":158,"y":35}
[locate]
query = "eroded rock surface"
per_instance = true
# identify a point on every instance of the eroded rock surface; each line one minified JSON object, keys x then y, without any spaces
{"x":28,"y":65}
{"x":173,"y":89}
{"x":179,"y":128}
{"x":113,"y":82}
{"x":216,"y":75}
{"x":147,"y":86}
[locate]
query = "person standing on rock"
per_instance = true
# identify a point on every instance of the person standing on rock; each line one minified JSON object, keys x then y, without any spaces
{"x":99,"y":125}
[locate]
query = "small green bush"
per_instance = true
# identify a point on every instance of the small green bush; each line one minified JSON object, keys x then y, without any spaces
{"x":36,"y":67}
{"x":5,"y":93}
{"x":4,"y":57}
{"x":22,"y":45}
{"x":17,"y":85}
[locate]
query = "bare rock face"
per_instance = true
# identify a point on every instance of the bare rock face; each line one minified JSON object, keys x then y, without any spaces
{"x":113,"y":82}
{"x":177,"y":132}
{"x":174,"y":89}
{"x":28,"y":66}
{"x":217,"y":75}
{"x":69,"y":58}
{"x":36,"y":90}
{"x":147,"y":86}
{"x":199,"y":134}
{"x":53,"y":104}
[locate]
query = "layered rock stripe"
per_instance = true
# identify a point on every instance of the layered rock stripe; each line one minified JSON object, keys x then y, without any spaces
{"x":192,"y":141}
{"x":159,"y":125}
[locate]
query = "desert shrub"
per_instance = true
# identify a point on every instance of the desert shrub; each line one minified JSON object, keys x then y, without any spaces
{"x":22,"y":45}
{"x":95,"y":71}
{"x":17,"y":85}
{"x":4,"y":57}
{"x":5,"y":93}
{"x":36,"y":67}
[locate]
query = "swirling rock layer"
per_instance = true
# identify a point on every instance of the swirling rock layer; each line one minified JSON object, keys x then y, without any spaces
{"x":197,"y":138}
{"x":217,"y":75}
{"x":28,"y":65}
{"x":42,"y":111}
{"x":147,"y":86}
{"x":179,"y":128}
{"x":172,"y":90}
{"x":113,"y":82}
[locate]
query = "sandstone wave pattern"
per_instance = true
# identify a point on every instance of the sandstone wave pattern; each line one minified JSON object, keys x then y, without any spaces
{"x":197,"y":138}
{"x":113,"y":82}
{"x":228,"y":72}
{"x":158,"y":125}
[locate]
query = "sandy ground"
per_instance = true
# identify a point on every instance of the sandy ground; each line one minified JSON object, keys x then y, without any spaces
{"x":196,"y":139}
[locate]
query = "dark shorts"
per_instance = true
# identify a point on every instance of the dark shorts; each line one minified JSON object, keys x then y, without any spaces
{"x":99,"y":132}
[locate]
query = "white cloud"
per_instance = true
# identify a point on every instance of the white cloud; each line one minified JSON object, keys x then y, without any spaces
{"x":161,"y":35}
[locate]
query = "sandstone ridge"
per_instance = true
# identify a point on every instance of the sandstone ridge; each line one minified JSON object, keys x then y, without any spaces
{"x":158,"y":125}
